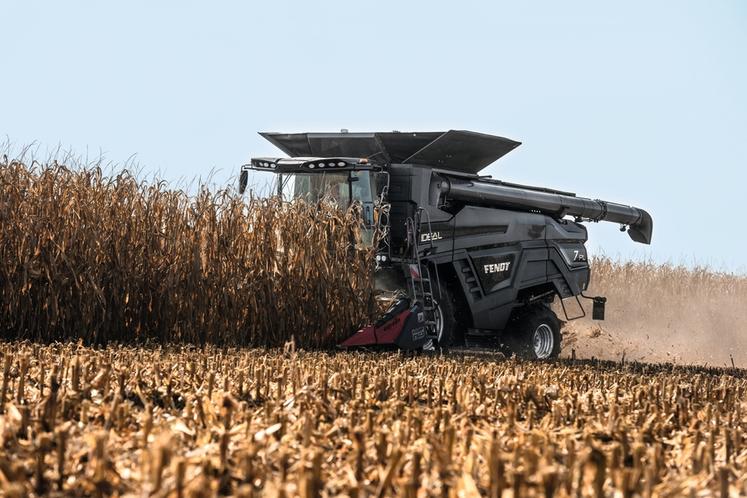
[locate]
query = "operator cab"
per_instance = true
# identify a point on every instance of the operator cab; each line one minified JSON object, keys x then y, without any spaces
{"x":343,"y":181}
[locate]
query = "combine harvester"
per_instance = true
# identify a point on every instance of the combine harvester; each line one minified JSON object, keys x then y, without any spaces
{"x":477,"y":261}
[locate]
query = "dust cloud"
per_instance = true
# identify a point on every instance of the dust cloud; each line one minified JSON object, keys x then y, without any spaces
{"x":662,"y":313}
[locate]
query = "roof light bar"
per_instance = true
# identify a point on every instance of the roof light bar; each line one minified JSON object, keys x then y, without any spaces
{"x":305,"y":163}
{"x":264,"y":163}
{"x":332,"y":163}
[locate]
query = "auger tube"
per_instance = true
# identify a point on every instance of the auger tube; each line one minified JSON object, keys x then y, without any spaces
{"x":638,"y":221}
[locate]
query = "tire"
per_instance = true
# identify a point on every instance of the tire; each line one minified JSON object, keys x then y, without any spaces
{"x":534,"y":334}
{"x":446,"y":317}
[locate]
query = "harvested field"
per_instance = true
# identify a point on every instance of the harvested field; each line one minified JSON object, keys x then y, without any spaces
{"x":180,"y":421}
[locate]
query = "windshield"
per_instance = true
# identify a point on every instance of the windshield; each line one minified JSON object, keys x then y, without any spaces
{"x":339,"y":187}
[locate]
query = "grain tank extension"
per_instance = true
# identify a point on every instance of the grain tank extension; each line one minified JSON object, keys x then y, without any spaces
{"x":473,"y":260}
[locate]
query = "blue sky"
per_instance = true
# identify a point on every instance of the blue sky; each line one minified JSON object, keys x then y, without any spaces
{"x":638,"y":102}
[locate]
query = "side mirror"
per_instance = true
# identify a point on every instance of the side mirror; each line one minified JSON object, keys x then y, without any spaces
{"x":381,"y":180}
{"x":243,"y":180}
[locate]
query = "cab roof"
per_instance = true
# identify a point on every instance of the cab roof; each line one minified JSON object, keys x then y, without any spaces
{"x":454,"y":150}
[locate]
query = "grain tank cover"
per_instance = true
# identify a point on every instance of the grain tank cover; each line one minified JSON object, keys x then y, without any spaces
{"x":455,"y":150}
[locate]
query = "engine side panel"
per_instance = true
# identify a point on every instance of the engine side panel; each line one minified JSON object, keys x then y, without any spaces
{"x":502,"y":256}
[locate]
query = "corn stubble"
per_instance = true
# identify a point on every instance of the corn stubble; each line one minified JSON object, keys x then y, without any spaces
{"x":97,"y":258}
{"x":186,"y":422}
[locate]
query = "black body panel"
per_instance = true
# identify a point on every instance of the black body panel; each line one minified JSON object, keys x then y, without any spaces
{"x":463,"y":151}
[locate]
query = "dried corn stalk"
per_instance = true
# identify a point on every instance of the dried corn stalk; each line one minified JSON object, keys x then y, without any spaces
{"x":86,"y":256}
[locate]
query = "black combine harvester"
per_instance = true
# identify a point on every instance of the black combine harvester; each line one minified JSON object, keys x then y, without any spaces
{"x":477,"y":260}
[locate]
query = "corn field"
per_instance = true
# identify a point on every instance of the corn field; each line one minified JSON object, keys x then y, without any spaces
{"x":185,"y":422}
{"x":93,"y":259}
{"x":109,"y":258}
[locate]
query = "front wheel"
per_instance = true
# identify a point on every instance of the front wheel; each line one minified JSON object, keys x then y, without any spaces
{"x":534,"y":334}
{"x":445,"y":317}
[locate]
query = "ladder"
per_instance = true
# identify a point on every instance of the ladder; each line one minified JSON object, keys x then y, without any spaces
{"x":418,"y":276}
